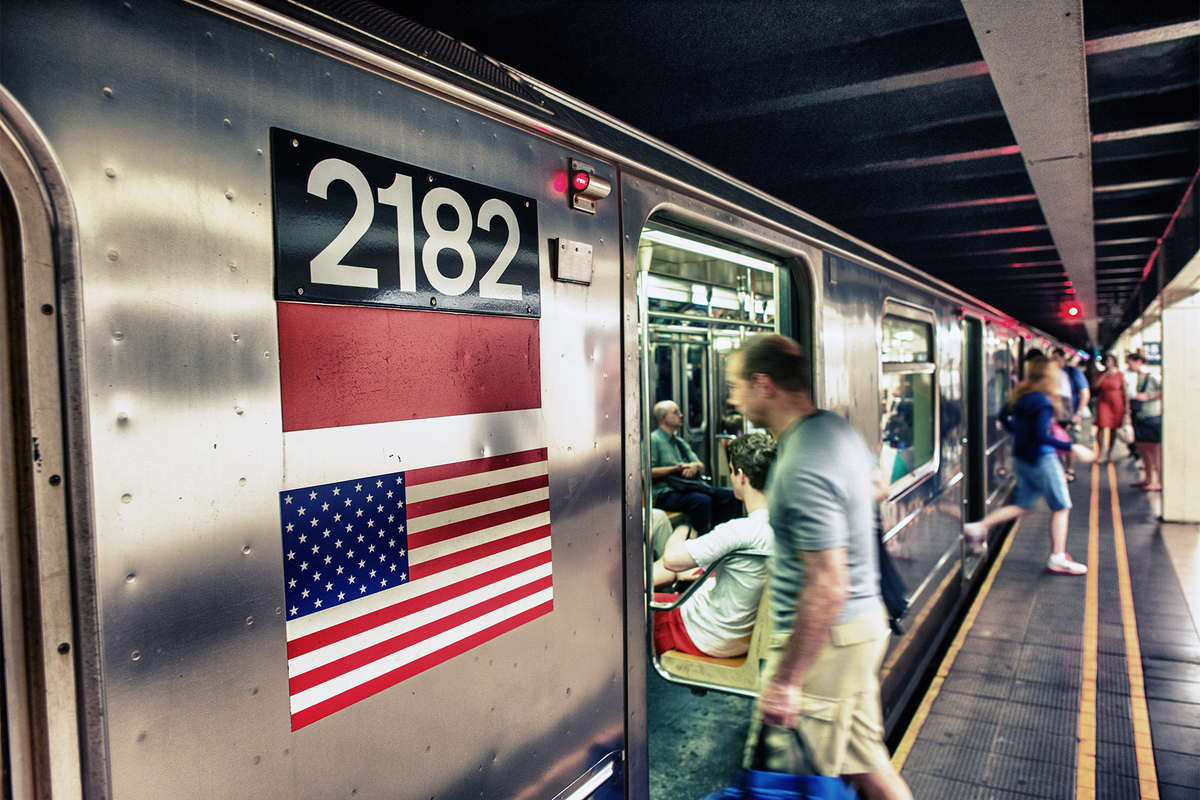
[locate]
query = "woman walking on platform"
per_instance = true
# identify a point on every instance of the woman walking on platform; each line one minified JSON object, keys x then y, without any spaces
{"x":1147,"y":421}
{"x":1031,"y":418}
{"x":1111,"y":403}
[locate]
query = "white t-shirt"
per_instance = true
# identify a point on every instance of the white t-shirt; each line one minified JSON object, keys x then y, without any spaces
{"x":720,"y":615}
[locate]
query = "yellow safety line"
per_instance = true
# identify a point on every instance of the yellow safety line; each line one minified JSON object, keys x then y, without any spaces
{"x":1142,"y":743}
{"x":918,"y":719}
{"x":1085,"y":767}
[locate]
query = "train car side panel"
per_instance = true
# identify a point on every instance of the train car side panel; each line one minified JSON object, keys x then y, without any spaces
{"x":161,"y":114}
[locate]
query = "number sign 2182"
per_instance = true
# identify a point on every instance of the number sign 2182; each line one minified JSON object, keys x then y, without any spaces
{"x":356,"y":228}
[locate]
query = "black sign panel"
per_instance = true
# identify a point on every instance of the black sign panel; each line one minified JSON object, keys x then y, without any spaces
{"x":358,"y":229}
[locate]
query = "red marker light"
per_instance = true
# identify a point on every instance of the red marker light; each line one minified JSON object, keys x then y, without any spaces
{"x":581,"y":181}
{"x":1073,"y":310}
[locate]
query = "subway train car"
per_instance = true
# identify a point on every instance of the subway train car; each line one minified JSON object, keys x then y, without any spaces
{"x":330,"y":352}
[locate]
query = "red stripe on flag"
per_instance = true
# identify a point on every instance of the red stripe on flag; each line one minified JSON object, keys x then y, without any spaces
{"x":446,"y":532}
{"x":372,"y":653}
{"x":376,"y":685}
{"x":452,"y":560}
{"x":356,"y":365}
{"x":468,"y":498}
{"x":443,"y":472}
{"x":352,"y":627}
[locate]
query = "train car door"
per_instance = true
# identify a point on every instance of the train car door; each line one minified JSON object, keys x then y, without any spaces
{"x":703,"y":283}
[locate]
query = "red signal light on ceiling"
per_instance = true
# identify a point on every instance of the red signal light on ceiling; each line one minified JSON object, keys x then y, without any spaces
{"x":1073,"y":310}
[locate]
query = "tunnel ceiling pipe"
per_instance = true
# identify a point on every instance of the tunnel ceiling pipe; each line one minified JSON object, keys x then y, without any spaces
{"x":1035,"y":54}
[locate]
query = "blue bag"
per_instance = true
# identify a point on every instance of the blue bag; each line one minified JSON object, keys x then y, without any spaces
{"x":754,"y":784}
{"x":789,"y":749}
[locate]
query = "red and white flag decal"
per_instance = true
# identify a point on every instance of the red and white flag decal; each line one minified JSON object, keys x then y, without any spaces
{"x":388,"y":574}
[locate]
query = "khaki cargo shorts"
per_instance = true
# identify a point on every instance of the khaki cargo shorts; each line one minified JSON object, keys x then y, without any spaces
{"x":841,"y":718}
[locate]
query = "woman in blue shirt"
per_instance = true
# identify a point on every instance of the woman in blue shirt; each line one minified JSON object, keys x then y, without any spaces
{"x":1037,"y":440}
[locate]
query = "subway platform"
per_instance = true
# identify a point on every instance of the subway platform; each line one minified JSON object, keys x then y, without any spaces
{"x":1072,"y":687}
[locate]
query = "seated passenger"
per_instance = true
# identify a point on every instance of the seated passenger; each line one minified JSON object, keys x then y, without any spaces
{"x":672,"y":457}
{"x":719,"y":618}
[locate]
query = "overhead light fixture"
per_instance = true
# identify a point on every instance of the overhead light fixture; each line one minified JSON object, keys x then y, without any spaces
{"x":705,"y":249}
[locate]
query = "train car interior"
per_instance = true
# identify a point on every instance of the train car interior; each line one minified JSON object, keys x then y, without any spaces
{"x":698,"y":299}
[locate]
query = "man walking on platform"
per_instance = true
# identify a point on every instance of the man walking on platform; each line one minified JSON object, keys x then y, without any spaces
{"x":830,"y":626}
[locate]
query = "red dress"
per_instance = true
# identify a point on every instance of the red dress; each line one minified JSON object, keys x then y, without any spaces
{"x":1110,"y":401}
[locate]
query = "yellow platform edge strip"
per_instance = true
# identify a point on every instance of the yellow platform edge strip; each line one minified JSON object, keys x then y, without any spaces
{"x":1085,"y":765}
{"x":922,"y":712}
{"x":1143,"y":745}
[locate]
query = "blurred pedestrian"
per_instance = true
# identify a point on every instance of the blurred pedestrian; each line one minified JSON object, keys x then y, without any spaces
{"x":1111,"y":404}
{"x":1147,"y":421}
{"x":1031,"y":417}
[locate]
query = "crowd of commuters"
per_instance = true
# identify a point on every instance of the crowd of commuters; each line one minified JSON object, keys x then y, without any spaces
{"x":813,"y":508}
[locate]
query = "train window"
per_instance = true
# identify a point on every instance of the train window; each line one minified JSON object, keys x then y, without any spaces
{"x":908,"y":396}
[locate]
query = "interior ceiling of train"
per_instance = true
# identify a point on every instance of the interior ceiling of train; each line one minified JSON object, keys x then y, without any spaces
{"x":999,"y":146}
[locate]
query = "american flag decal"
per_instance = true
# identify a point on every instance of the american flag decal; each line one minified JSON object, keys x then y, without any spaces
{"x":390,"y":575}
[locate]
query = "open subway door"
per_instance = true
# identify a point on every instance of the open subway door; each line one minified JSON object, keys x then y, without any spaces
{"x":701,"y":286}
{"x":699,"y":298}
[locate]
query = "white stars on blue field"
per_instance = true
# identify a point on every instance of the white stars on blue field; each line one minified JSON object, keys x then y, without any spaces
{"x":334,"y":552}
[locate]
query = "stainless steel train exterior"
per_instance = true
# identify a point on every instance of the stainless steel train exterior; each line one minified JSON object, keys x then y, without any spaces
{"x":186,"y":186}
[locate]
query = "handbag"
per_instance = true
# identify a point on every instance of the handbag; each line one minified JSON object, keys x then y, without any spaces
{"x":786,"y":750}
{"x":891,"y":585}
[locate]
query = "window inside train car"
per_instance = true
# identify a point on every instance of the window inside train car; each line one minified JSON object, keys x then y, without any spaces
{"x":908,"y":396}
{"x":699,"y":298}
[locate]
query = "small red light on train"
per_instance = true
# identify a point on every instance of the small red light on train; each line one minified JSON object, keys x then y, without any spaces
{"x":580,"y":180}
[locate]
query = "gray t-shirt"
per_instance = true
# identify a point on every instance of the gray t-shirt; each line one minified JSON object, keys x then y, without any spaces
{"x":820,"y":498}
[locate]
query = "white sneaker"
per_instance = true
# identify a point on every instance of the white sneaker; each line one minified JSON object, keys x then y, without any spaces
{"x":1063,"y":564}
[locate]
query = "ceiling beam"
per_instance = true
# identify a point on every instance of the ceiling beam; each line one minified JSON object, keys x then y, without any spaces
{"x":1036,"y":56}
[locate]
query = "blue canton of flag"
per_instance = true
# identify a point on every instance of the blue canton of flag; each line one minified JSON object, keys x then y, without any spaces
{"x":342,"y":541}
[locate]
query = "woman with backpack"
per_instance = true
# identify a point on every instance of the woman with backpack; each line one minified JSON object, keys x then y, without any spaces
{"x":1037,"y":440}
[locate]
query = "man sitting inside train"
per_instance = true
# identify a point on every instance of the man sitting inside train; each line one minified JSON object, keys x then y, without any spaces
{"x":718,"y":619}
{"x":676,"y":474}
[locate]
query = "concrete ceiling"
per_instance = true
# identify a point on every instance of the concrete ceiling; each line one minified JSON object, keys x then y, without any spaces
{"x":1031,"y":153}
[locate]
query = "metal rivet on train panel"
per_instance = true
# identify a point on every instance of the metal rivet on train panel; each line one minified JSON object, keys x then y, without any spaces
{"x":106,"y":91}
{"x":239,"y":410}
{"x":55,"y":480}
{"x":110,"y":172}
{"x":118,"y":336}
{"x":228,"y":194}
{"x":126,"y":498}
{"x":47,"y":309}
{"x":113,"y":255}
{"x":64,"y":648}
{"x":300,"y":291}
